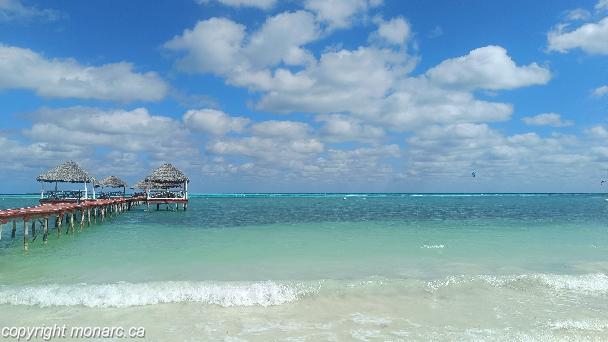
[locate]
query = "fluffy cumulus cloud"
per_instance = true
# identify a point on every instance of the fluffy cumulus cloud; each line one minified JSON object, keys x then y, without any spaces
{"x":222,"y":47}
{"x":65,"y":78}
{"x":578,"y":14}
{"x":394,"y":31}
{"x":135,"y":131}
{"x":275,"y":128}
{"x":262,"y":4}
{"x":341,"y":128}
{"x":488,"y":67}
{"x":601,"y":5}
{"x":547,"y":119}
{"x":214,"y":121}
{"x":340,"y":13}
{"x":363,"y":96}
{"x":455,"y":150}
{"x":589,"y":37}
{"x":13,"y":10}
{"x":600,"y":91}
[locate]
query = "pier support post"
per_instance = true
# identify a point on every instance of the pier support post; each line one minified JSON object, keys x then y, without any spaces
{"x":34,"y":230}
{"x":45,"y":235}
{"x":81,"y":219}
{"x":26,"y":235}
{"x":72,"y":221}
{"x":89,"y":216}
{"x":14,"y":231}
{"x":59,"y":219}
{"x":185,"y":206}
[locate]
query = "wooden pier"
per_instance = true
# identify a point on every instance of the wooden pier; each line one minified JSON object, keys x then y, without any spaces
{"x":71,"y":214}
{"x":165,"y":185}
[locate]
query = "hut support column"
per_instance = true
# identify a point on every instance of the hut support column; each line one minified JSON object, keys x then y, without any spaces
{"x":81,"y":219}
{"x":34,"y":229}
{"x":14,"y":231}
{"x":89,"y":216}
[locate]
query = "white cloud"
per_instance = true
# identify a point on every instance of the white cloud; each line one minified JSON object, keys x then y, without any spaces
{"x":339,"y":13}
{"x":547,"y":119}
{"x":25,"y":69}
{"x":222,"y":47}
{"x":214,"y":121}
{"x":11,"y":10}
{"x":598,"y":131}
{"x":341,"y":81}
{"x":371,"y":83}
{"x":262,"y":4}
{"x":394,"y":31}
{"x":280,"y":40}
{"x":489,"y":67}
{"x":268,"y":151}
{"x":212,"y":46}
{"x":578,"y":14}
{"x":600,"y":91}
{"x":458,"y":149}
{"x":129,"y":131}
{"x":286,"y":129}
{"x":590,"y":37}
{"x":601,"y":5}
{"x":340,"y":128}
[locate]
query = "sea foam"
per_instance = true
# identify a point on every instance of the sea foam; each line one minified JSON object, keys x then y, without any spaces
{"x":588,"y":284}
{"x":124,"y":294}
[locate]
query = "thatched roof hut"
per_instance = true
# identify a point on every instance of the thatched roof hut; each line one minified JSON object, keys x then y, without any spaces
{"x":68,"y":172}
{"x":167,"y":174}
{"x":111,"y":182}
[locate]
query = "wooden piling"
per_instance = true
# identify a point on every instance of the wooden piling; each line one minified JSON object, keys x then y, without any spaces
{"x":45,"y":235}
{"x":26,"y":235}
{"x":34,"y":230}
{"x":14,"y":231}
{"x":59,"y":219}
{"x":72,"y":221}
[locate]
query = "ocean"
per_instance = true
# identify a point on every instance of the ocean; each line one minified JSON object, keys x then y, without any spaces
{"x":324,"y":267}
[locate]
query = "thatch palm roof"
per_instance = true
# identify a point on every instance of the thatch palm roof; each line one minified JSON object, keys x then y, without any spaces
{"x":167,"y":174}
{"x":143,"y":185}
{"x":112,"y":182}
{"x":68,"y":172}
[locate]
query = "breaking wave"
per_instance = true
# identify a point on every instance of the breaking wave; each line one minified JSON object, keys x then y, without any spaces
{"x":588,"y":284}
{"x":124,"y":294}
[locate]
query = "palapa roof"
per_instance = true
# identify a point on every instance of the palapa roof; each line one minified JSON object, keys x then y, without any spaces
{"x":68,"y":172}
{"x":112,"y":182}
{"x":143,"y":185}
{"x":166,"y":174}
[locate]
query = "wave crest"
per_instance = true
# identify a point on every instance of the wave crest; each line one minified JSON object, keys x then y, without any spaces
{"x":589,"y":284}
{"x":124,"y":294}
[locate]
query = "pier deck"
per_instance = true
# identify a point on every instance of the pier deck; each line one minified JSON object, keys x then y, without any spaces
{"x":59,"y":211}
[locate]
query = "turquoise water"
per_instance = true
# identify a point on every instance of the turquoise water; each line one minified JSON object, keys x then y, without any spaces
{"x":326,"y":266}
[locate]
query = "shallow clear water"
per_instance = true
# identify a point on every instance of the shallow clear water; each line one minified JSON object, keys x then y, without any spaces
{"x":323,"y":267}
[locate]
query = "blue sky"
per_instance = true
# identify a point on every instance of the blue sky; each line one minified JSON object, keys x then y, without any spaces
{"x":311,"y":95}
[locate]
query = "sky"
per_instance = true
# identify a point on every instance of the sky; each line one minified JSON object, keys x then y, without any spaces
{"x":309,"y":95}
